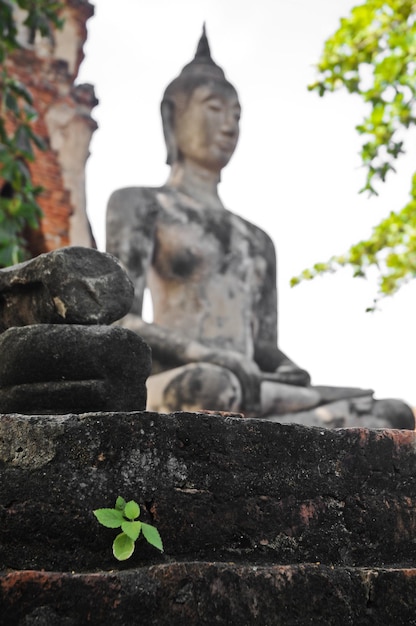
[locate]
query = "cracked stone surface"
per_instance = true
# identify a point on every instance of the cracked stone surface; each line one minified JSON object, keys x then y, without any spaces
{"x":68,"y":286}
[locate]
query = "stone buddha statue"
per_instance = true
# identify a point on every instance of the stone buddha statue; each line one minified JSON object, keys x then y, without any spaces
{"x":212,"y":275}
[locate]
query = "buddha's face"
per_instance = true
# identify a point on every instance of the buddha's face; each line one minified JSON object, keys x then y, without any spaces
{"x":206,"y":127}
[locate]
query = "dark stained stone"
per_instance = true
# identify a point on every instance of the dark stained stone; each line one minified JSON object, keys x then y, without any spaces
{"x":218,"y":489}
{"x":198,"y":594}
{"x":68,"y":286}
{"x":47,"y":368}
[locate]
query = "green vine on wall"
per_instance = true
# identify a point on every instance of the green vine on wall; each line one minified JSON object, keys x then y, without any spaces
{"x":19,"y":207}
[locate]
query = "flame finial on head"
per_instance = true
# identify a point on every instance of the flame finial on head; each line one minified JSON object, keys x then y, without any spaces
{"x":203,"y":51}
{"x":202,"y":63}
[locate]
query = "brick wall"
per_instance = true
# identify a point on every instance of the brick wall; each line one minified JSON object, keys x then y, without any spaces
{"x":49,"y":68}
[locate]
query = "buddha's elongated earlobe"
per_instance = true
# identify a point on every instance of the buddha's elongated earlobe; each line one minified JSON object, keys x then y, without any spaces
{"x":167,"y":109}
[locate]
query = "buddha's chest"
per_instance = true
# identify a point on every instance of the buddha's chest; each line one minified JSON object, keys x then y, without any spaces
{"x":200,"y":246}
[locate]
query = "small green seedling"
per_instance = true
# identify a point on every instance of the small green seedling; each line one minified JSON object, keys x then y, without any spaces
{"x":124,"y":515}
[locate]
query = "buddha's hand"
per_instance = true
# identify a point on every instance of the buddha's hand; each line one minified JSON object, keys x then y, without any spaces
{"x":249,"y":376}
{"x":291,"y":374}
{"x":245,"y":369}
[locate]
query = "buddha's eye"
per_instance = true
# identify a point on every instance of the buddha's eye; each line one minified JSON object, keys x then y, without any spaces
{"x":214,"y":106}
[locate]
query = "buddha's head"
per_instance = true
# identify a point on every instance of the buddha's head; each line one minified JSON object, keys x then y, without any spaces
{"x":200,"y":113}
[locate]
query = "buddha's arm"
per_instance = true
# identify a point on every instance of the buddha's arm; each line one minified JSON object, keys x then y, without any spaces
{"x":130,"y":227}
{"x":173,"y":349}
{"x":169,"y":347}
{"x":267,"y":354}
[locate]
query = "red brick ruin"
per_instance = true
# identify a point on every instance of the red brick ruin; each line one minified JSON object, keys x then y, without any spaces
{"x":49,"y":68}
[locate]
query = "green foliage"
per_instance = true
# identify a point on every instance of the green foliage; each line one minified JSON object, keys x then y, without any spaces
{"x":373,"y":54}
{"x":18,"y":204}
{"x":124,"y":516}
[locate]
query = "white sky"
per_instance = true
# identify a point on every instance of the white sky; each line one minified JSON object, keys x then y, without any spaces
{"x":295,"y":172}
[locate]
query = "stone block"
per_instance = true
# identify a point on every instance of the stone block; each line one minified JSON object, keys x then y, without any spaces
{"x":68,"y":286}
{"x":197,"y":594}
{"x":48,"y":368}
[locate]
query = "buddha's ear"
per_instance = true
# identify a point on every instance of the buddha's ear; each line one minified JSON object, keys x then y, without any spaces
{"x":167,"y":109}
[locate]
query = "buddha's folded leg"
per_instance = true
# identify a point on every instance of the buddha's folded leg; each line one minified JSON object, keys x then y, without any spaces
{"x":278,"y":398}
{"x":194,"y":387}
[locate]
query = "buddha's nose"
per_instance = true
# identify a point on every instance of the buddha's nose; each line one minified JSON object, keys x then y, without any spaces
{"x":230,"y":125}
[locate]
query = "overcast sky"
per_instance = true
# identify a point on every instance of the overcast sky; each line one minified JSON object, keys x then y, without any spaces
{"x":296,"y":171}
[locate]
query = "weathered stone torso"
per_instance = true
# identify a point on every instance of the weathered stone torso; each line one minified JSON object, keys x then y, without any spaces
{"x":209,"y":266}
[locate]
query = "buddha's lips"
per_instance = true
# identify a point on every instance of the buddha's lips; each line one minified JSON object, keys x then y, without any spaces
{"x":228,"y":146}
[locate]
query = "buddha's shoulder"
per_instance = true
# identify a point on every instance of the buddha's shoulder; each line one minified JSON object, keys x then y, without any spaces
{"x":256,"y":234}
{"x":134,"y":200}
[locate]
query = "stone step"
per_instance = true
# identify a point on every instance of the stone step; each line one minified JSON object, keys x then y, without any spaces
{"x":198,"y":593}
{"x":218,"y":488}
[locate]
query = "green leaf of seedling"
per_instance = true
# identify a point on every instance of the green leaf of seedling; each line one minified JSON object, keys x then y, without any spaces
{"x":132,"y":510}
{"x":132,"y":529}
{"x":110,"y":518}
{"x":151,"y":535}
{"x":123,"y":547}
{"x":120,"y":504}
